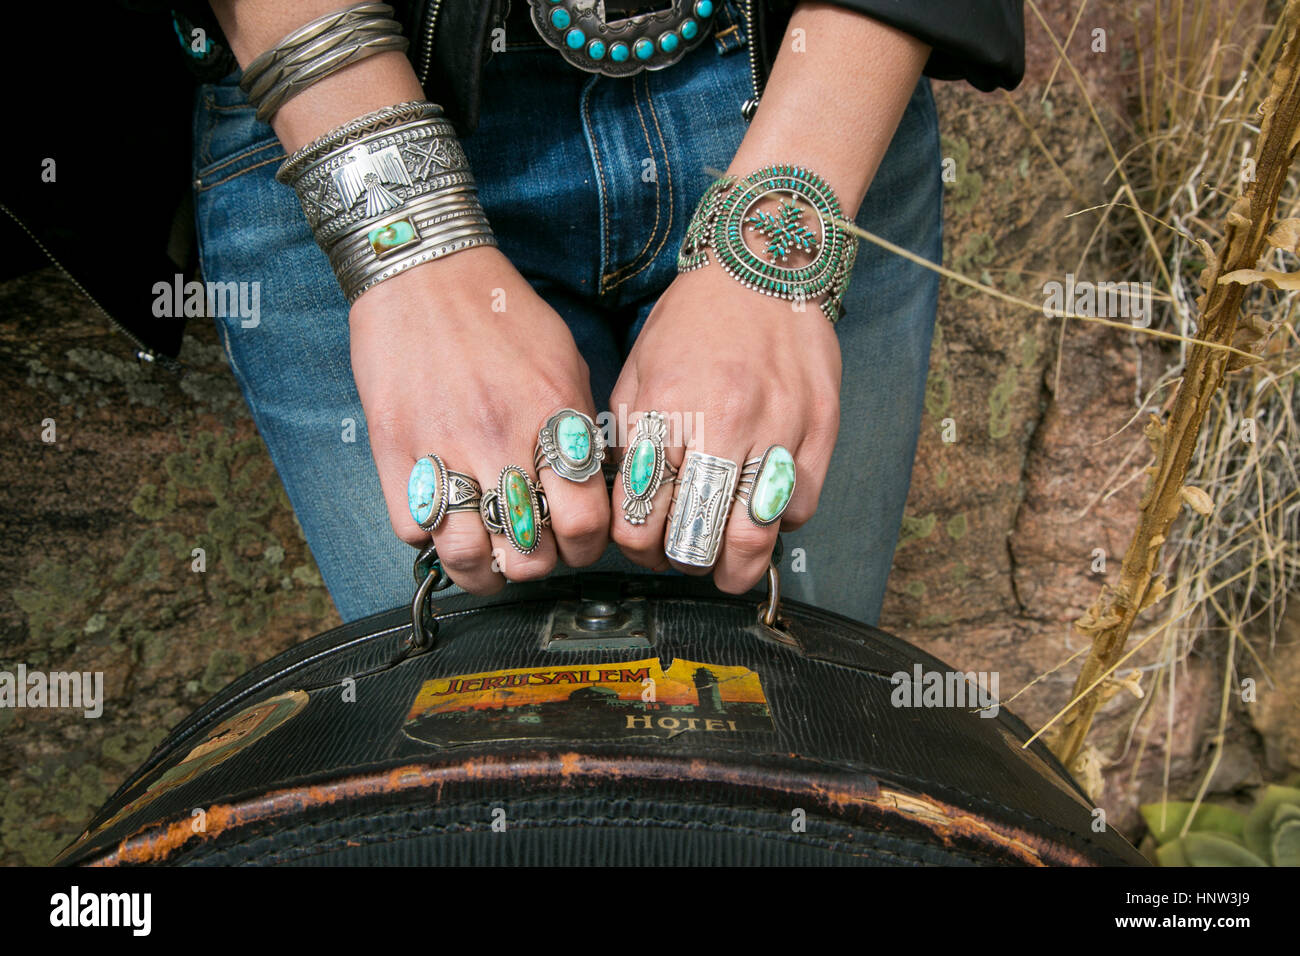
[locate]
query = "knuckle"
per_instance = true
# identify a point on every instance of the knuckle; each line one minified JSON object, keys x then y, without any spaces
{"x":580,"y":522}
{"x":463,"y":550}
{"x":749,"y":544}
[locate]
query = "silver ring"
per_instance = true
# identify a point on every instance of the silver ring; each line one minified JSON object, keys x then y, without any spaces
{"x":645,"y":467}
{"x":700,"y":508}
{"x":527,"y":513}
{"x":434,"y":490}
{"x":772,"y":474}
{"x":570,"y":444}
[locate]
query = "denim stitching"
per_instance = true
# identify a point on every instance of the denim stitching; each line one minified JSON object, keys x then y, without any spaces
{"x":602,"y":190}
{"x":201,"y":187}
{"x":668,"y":228}
{"x":654,"y":229}
{"x":209,"y":170}
{"x":210,"y":103}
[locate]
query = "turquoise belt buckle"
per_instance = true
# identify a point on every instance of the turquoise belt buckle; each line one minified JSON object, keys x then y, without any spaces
{"x":645,"y":41}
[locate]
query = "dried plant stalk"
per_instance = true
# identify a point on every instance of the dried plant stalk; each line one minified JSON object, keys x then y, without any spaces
{"x":1110,"y":618}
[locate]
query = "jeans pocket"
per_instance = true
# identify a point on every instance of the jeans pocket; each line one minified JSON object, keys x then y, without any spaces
{"x":228,"y":139}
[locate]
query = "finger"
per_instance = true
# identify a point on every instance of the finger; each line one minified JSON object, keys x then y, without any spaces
{"x":643,"y":492}
{"x":465,"y":550}
{"x":812,"y":461}
{"x":755,"y":520}
{"x":579,"y":509}
{"x":524,"y":550}
{"x":700,"y":506}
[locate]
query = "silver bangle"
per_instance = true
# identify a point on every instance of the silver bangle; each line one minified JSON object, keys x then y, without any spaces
{"x":373,"y":122}
{"x":317,"y":50}
{"x":373,"y":174}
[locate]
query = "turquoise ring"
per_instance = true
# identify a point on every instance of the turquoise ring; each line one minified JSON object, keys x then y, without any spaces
{"x":767,"y":485}
{"x":570,"y":444}
{"x":433,"y":491}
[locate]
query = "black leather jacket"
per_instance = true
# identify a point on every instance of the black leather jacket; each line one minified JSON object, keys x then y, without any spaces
{"x":125,"y":156}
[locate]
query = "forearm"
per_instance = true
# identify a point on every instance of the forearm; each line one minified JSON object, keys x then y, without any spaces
{"x":834,"y":100}
{"x":254,"y":26}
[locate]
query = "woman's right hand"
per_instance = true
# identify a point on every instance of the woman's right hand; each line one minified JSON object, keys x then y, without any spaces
{"x":461,"y":358}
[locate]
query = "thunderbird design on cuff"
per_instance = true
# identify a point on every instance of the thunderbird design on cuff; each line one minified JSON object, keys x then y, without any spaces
{"x":645,"y":466}
{"x":767,"y":485}
{"x":571,"y":445}
{"x":700,"y":509}
{"x":434,"y":491}
{"x":517,"y":508}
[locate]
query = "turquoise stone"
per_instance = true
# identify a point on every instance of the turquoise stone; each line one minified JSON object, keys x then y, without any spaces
{"x":642,"y":467}
{"x":575,"y":38}
{"x":392,"y":236}
{"x":668,"y":42}
{"x":618,"y":52}
{"x":573,"y":439}
{"x":704,"y":8}
{"x":774,"y":486}
{"x":519,"y":509}
{"x":560,"y":18}
{"x":689,"y":29}
{"x":596,"y":49}
{"x":643,"y":49}
{"x":422,"y":490}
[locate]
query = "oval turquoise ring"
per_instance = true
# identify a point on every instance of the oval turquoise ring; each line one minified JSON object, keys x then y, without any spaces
{"x":767,"y":485}
{"x":570,"y":444}
{"x":433,"y":491}
{"x":516,"y":508}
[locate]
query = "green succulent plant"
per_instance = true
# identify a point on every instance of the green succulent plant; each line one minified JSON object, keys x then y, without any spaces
{"x":1267,"y":835}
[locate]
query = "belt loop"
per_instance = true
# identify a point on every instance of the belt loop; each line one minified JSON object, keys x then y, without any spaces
{"x":728,"y":28}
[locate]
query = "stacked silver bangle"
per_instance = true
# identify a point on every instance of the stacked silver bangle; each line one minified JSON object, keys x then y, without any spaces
{"x":385,"y":192}
{"x":314,"y":51}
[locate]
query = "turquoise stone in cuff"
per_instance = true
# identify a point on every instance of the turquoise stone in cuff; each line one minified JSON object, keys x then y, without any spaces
{"x":519,"y":510}
{"x":774,"y":486}
{"x":573,"y":439}
{"x":422,"y":490}
{"x":393,"y":235}
{"x":642,"y":467}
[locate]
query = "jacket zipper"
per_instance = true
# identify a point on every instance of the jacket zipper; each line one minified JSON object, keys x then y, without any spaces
{"x":751,"y":104}
{"x":142,"y":351}
{"x":426,"y":46}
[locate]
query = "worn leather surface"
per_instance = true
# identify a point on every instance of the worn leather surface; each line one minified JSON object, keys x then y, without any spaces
{"x":836,"y":746}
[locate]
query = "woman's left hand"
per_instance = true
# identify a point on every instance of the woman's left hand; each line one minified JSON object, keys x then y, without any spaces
{"x":741,"y":371}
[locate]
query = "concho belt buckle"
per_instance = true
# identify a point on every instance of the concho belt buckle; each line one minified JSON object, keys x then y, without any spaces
{"x":639,"y":38}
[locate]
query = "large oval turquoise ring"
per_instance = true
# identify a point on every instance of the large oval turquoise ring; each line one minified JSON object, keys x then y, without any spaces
{"x":433,"y":491}
{"x":645,"y":467}
{"x":767,"y":485}
{"x":516,"y":508}
{"x":570,"y":444}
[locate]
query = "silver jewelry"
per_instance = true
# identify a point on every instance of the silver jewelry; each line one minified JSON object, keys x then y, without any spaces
{"x":318,"y":49}
{"x":621,"y":47}
{"x":644,"y":467}
{"x":525,"y":513}
{"x":570,"y":444}
{"x":700,"y":508}
{"x":370,"y":175}
{"x":372,"y":122}
{"x":729,"y":208}
{"x":772,"y":476}
{"x":433,"y":491}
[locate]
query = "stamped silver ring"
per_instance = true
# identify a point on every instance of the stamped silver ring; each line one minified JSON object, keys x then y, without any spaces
{"x":570,"y":444}
{"x":434,"y":491}
{"x":767,"y":485}
{"x":525,"y":511}
{"x":705,"y":490}
{"x":645,"y":467}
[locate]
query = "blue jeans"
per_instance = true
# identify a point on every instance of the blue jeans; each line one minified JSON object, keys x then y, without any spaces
{"x":561,"y":160}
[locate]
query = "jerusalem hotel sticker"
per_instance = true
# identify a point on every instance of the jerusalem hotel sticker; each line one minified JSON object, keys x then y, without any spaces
{"x":590,"y":702}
